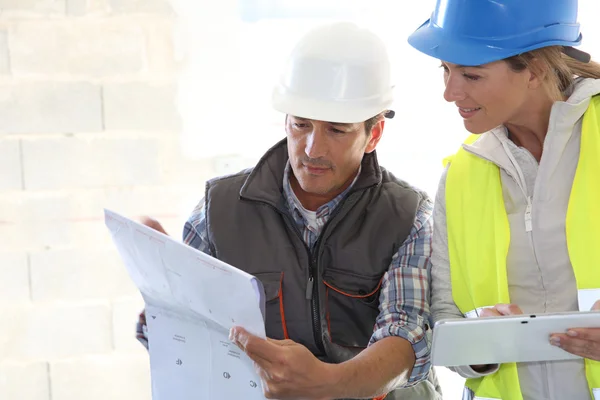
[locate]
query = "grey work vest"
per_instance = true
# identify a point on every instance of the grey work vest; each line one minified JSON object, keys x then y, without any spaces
{"x":326,"y":299}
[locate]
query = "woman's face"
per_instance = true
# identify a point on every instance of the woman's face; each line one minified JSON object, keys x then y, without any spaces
{"x":488,"y":95}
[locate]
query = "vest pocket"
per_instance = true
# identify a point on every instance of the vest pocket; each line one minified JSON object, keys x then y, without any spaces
{"x":352,"y":306}
{"x":274,"y":314}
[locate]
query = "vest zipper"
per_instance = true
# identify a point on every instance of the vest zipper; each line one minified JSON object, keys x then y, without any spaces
{"x":312,"y":290}
{"x":313,"y":273}
{"x":528,"y":223}
{"x":528,"y":217}
{"x":523,"y":186}
{"x":314,"y":301}
{"x":309,"y":287}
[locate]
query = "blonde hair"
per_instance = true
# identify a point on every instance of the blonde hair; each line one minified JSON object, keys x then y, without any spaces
{"x":558,"y":69}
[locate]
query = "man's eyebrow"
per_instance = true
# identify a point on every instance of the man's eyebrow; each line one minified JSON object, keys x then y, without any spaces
{"x":341,"y":124}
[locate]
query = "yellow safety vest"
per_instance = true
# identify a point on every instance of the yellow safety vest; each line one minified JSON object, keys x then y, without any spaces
{"x":479,"y":237}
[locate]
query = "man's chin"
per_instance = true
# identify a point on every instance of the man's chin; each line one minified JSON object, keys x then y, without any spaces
{"x":311,"y":188}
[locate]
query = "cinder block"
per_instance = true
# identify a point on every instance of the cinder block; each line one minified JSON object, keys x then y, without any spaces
{"x":4,"y":63}
{"x":86,"y":234}
{"x":80,"y":205}
{"x":114,"y":377}
{"x":77,"y":49}
{"x":24,"y":381}
{"x":14,"y":278}
{"x":141,"y":106}
{"x":141,"y":6}
{"x":58,"y":107}
{"x":49,"y":332}
{"x":25,"y":236}
{"x":74,"y":275}
{"x":34,"y":206}
{"x":77,"y":8}
{"x":10,"y":165}
{"x":76,"y":162}
{"x":52,"y":235}
{"x":12,"y":236}
{"x":32,"y":7}
{"x":161,"y":48}
{"x":125,"y":316}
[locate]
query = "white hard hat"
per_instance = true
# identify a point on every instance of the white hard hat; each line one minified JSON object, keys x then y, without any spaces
{"x":336,"y":73}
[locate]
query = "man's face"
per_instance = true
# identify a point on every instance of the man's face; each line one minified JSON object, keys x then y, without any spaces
{"x":325,"y":156}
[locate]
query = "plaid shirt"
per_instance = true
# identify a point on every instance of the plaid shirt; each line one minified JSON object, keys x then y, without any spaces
{"x":404,"y":297}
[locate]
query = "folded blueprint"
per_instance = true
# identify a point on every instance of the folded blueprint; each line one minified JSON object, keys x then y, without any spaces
{"x":192,"y":300}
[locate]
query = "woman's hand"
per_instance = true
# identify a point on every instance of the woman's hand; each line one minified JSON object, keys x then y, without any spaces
{"x":583,"y":342}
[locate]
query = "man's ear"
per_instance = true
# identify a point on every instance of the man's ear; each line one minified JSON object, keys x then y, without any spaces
{"x":375,"y":136}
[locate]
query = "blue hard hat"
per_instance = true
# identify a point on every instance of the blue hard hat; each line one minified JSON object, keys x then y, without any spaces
{"x":475,"y":32}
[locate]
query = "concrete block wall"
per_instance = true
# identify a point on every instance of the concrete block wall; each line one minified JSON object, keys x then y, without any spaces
{"x":87,"y":120}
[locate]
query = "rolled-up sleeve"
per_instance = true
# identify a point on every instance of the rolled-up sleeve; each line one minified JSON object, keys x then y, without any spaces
{"x":194,"y":230}
{"x":404,"y":299}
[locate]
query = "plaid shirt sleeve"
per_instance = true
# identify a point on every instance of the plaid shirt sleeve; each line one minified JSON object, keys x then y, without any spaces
{"x":194,"y":231}
{"x":404,"y":298}
{"x":194,"y":234}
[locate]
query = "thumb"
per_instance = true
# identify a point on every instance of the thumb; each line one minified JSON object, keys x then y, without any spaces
{"x":154,"y":224}
{"x":283,"y":343}
{"x":596,"y":306}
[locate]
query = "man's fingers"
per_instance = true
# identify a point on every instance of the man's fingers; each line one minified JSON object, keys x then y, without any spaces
{"x":154,"y":224}
{"x":261,"y":365}
{"x":254,"y":346}
{"x":284,"y":342}
{"x":596,"y":306}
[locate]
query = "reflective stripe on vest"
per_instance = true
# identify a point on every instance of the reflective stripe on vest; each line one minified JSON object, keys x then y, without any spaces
{"x":479,"y":235}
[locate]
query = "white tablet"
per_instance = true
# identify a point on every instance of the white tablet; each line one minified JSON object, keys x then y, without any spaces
{"x":495,"y":340}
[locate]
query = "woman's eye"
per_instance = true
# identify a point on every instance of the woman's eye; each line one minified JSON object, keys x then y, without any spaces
{"x":471,"y":77}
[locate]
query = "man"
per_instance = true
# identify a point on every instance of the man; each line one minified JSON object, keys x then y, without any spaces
{"x":340,"y":245}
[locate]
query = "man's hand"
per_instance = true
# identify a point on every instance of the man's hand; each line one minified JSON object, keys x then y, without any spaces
{"x":154,"y":224}
{"x":583,"y":342}
{"x":142,"y":329}
{"x":287,"y":369}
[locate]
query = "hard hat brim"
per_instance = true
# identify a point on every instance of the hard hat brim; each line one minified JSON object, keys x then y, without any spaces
{"x":433,"y":41}
{"x":346,"y":111}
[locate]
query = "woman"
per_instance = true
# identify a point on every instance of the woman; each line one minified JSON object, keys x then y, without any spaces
{"x":517,"y":214}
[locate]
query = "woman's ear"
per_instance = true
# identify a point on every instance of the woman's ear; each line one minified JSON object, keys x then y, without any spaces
{"x":538,"y":71}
